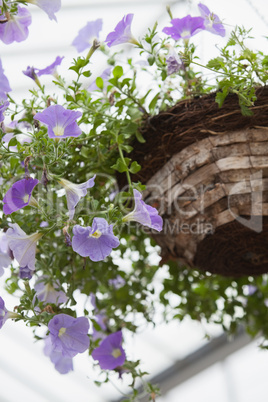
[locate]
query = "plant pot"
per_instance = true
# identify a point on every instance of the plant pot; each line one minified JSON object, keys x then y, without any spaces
{"x":206,"y":170}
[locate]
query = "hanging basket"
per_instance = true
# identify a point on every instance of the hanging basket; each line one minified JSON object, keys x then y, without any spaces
{"x":206,"y":170}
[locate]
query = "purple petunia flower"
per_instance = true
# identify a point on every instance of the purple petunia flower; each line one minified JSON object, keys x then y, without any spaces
{"x":185,"y":28}
{"x":23,"y":246}
{"x":95,"y":242}
{"x":52,"y":68}
{"x":122,"y":32}
{"x":49,"y":6}
{"x":87,"y":35}
{"x":174,"y":63}
{"x":74,"y":192}
{"x":68,"y":335}
{"x":144,"y":214}
{"x":5,"y":258}
{"x":105,"y":75}
{"x":3,"y":108}
{"x":4,"y":84}
{"x":212,"y":22}
{"x":16,"y":28}
{"x":30,"y":72}
{"x":3,"y":312}
{"x":60,"y":121}
{"x":63,"y":364}
{"x":19,"y":195}
{"x":110,"y":353}
{"x":47,"y":293}
{"x":25,"y":273}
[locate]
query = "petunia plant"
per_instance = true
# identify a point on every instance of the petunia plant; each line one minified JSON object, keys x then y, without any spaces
{"x":69,"y":222}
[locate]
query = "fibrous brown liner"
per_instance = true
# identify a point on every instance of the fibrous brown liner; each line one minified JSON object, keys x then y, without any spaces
{"x":187,"y":122}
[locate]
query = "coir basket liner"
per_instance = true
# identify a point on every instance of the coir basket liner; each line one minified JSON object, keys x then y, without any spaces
{"x":206,"y":170}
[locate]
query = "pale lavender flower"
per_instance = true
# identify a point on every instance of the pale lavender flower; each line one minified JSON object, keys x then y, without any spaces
{"x":87,"y":34}
{"x":110,"y":353}
{"x":52,"y":68}
{"x":61,"y":122}
{"x":3,"y":312}
{"x":251,"y":289}
{"x":25,"y":273}
{"x":105,"y":75}
{"x":174,"y":63}
{"x":5,"y":258}
{"x":44,"y":224}
{"x":22,"y":246}
{"x":212,"y":22}
{"x":63,"y":364}
{"x":74,"y":192}
{"x":19,"y":195}
{"x":48,"y":6}
{"x":68,"y":335}
{"x":30,"y":72}
{"x":185,"y":28}
{"x":4,"y":84}
{"x":16,"y":28}
{"x":3,"y":108}
{"x":95,"y":242}
{"x":117,"y":283}
{"x":122,"y":32}
{"x":46,"y":292}
{"x":144,"y":214}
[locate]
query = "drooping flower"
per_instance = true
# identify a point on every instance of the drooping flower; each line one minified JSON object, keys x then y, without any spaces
{"x":5,"y":314}
{"x":46,"y":292}
{"x":110,"y":353}
{"x":68,"y":335}
{"x":31,"y":73}
{"x":122,"y":32}
{"x":63,"y":364}
{"x":74,"y":192}
{"x":61,"y":122}
{"x":23,"y":246}
{"x":5,"y":258}
{"x":49,"y":6}
{"x":4,"y":84}
{"x":3,"y":108}
{"x":144,"y":214}
{"x":25,"y":273}
{"x":52,"y":68}
{"x":185,"y":28}
{"x":19,"y":195}
{"x":95,"y":242}
{"x":16,"y":28}
{"x":174,"y":63}
{"x":105,"y":75}
{"x":212,"y":22}
{"x":87,"y":34}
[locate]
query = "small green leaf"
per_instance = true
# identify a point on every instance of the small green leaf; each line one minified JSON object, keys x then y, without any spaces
{"x":118,"y":72}
{"x":99,"y":82}
{"x":135,"y":167}
{"x":121,"y":166}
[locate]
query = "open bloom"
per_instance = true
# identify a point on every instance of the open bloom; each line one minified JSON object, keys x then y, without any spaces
{"x":144,"y":214}
{"x":68,"y":335}
{"x":212,"y":22}
{"x":184,"y":28}
{"x":16,"y":28}
{"x":110,"y":353}
{"x":87,"y":34}
{"x":63,"y":364}
{"x":61,"y":122}
{"x":95,"y":242}
{"x":47,"y":293}
{"x":122,"y":32}
{"x":23,"y":246}
{"x":19,"y":195}
{"x":4,"y":84}
{"x":74,"y":192}
{"x":3,"y":108}
{"x":49,"y":6}
{"x":52,"y":68}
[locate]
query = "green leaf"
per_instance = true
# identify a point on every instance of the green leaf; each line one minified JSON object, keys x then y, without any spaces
{"x":140,"y":137}
{"x":121,"y":166}
{"x":87,"y":73}
{"x":135,"y":167}
{"x":118,"y":72}
{"x":153,"y":102}
{"x":12,"y":142}
{"x":220,"y":97}
{"x":216,"y":63}
{"x":99,"y":82}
